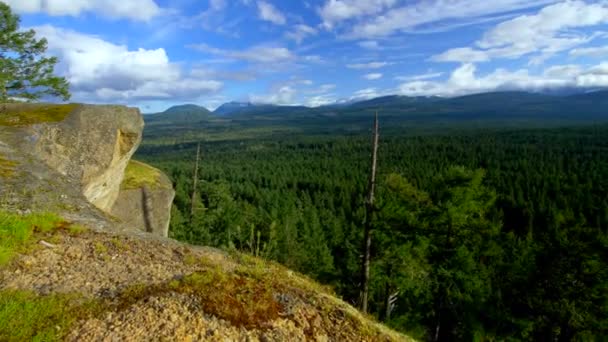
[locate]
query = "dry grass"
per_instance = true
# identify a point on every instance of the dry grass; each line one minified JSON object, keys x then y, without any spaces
{"x":24,"y":114}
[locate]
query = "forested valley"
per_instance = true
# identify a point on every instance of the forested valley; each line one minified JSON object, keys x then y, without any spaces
{"x":485,"y":234}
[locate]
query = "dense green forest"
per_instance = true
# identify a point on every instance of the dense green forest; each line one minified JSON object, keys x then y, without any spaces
{"x":478,"y":235}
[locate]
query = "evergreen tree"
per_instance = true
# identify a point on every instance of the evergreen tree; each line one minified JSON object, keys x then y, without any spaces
{"x":25,"y":73}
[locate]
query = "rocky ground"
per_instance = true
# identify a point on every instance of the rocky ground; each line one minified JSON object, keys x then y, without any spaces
{"x":157,"y":289}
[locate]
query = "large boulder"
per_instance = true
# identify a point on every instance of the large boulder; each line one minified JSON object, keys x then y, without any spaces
{"x":145,"y":199}
{"x":90,"y":145}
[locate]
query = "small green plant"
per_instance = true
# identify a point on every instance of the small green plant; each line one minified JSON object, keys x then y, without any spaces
{"x":119,"y":244}
{"x":76,"y":229}
{"x":24,"y":316}
{"x":100,"y":248}
{"x":16,"y":232}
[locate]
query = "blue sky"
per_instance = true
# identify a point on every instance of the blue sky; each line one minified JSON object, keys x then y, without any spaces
{"x":157,"y":53}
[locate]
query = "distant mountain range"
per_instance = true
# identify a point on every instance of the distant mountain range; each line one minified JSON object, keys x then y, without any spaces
{"x":181,"y":113}
{"x":233,"y":107}
{"x":478,"y":106}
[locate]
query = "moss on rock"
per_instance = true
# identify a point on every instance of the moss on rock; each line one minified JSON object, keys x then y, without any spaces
{"x":25,"y":114}
{"x":7,"y":167}
{"x":139,"y":174}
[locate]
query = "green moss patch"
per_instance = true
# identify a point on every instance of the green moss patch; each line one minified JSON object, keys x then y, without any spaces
{"x":25,"y":316}
{"x":239,"y":299}
{"x":7,"y":167}
{"x":24,"y":114}
{"x":17,"y":232}
{"x":139,"y":174}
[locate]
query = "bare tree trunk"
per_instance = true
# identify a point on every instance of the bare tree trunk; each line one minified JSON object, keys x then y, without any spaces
{"x":195,"y":181}
{"x":369,"y":209}
{"x":390,"y":298}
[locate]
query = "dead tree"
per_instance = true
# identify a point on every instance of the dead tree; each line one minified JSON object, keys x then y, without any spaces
{"x":369,"y":209}
{"x":195,"y":181}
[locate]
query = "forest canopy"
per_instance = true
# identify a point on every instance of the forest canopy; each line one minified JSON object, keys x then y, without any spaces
{"x":477,"y":235}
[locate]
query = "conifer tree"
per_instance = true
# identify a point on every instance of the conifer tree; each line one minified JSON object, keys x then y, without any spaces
{"x":25,"y":72}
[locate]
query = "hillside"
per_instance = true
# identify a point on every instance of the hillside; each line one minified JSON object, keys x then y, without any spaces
{"x":69,"y":270}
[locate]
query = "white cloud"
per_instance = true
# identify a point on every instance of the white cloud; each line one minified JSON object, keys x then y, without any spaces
{"x":320,"y":100}
{"x":546,"y":33}
{"x":465,"y":80}
{"x":365,"y":94}
{"x":313,"y":59}
{"x":462,"y":55}
{"x":327,"y":87}
{"x":102,"y":71}
{"x":335,"y":11}
{"x":268,"y":12}
{"x":257,"y":54}
{"x":300,"y":32}
{"x":427,"y":76}
{"x":142,"y":10}
{"x":371,"y":65}
{"x":284,"y":95}
{"x":385,"y":19}
{"x":373,"y":76}
{"x":599,"y":51}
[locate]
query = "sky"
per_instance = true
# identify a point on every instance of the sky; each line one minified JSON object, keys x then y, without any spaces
{"x":157,"y":53}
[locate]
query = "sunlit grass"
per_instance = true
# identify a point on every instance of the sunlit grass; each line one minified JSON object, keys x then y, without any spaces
{"x":25,"y":316}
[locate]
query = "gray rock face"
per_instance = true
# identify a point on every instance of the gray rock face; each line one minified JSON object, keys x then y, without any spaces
{"x":71,"y":159}
{"x":92,"y":146}
{"x":145,"y":199}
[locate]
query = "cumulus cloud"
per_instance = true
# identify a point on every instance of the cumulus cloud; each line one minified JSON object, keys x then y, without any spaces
{"x":371,"y":65}
{"x":141,"y":10}
{"x":373,"y":76}
{"x":379,"y":18}
{"x":268,"y":12}
{"x":102,"y":71}
{"x":257,"y":54}
{"x":546,"y":33}
{"x":465,"y":80}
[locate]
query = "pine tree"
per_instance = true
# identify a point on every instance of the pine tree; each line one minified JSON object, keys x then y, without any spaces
{"x":25,"y":73}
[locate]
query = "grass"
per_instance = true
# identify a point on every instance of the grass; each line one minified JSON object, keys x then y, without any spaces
{"x":25,"y":316}
{"x":24,"y":114}
{"x":7,"y":167}
{"x":16,"y":232}
{"x":139,"y":174}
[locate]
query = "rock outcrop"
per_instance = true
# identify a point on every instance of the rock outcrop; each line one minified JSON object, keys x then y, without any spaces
{"x":145,"y":199}
{"x":91,"y":145}
{"x":61,"y":153}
